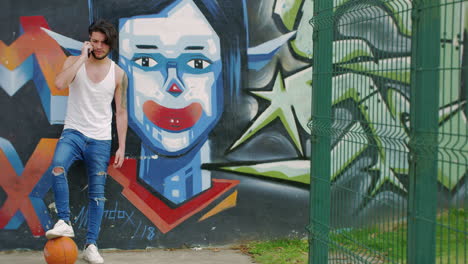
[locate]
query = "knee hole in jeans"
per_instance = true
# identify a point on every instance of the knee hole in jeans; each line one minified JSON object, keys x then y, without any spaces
{"x":97,"y":199}
{"x":58,"y":171}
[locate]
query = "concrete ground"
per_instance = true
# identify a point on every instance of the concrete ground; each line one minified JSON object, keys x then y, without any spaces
{"x":157,"y":256}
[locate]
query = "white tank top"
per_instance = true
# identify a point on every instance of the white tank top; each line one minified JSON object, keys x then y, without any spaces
{"x":89,"y":104}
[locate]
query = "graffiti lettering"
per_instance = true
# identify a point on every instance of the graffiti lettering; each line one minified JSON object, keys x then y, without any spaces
{"x":146,"y":232}
{"x":25,"y":187}
{"x":115,"y":214}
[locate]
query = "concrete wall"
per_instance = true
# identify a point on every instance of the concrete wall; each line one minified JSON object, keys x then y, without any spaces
{"x":242,"y":169}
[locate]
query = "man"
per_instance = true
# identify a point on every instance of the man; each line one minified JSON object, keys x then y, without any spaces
{"x":94,"y":80}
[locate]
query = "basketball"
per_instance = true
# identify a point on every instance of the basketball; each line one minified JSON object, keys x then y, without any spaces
{"x":61,"y":250}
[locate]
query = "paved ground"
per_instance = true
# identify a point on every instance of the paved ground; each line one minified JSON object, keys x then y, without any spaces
{"x":156,"y":256}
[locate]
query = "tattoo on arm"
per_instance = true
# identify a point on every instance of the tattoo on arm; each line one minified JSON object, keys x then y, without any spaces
{"x":123,"y":91}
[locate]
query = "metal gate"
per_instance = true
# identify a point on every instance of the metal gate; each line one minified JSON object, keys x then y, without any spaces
{"x":389,"y":132}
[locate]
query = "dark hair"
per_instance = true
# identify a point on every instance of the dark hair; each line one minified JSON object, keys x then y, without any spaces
{"x":107,"y":29}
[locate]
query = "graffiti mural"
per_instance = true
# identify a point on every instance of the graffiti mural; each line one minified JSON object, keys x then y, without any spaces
{"x":371,"y":84}
{"x":219,"y":106}
{"x":174,"y":94}
{"x":180,"y":87}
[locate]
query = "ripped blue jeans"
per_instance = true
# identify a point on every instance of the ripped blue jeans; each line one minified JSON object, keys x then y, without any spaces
{"x":71,"y":147}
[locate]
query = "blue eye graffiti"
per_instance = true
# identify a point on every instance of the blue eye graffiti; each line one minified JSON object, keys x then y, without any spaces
{"x":145,"y":61}
{"x":198,"y":63}
{"x":185,"y":63}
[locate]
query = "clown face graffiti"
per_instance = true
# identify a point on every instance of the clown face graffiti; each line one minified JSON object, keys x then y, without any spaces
{"x":173,"y":63}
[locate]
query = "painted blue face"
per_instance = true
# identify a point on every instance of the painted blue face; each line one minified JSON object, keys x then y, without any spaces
{"x":174,"y":67}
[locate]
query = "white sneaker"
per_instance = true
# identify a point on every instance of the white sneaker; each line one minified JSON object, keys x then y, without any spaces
{"x":61,"y":228}
{"x":91,"y":255}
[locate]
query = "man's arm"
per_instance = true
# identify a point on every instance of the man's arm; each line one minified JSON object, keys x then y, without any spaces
{"x":121,"y":118}
{"x":71,"y":66}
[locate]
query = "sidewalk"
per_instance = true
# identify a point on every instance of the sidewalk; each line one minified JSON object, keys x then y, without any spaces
{"x":157,"y":256}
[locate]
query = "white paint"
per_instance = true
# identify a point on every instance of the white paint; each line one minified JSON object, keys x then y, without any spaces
{"x":198,"y":90}
{"x":184,"y":20}
{"x":172,"y":143}
{"x":125,"y":45}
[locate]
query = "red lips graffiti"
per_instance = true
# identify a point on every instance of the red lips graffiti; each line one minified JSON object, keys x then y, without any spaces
{"x":172,"y":119}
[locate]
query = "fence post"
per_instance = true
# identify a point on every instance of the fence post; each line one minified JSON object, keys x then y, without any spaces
{"x":425,"y":57}
{"x":319,"y":226}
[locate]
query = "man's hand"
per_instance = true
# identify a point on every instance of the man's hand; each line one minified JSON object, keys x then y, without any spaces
{"x":119,"y":158}
{"x":86,"y":49}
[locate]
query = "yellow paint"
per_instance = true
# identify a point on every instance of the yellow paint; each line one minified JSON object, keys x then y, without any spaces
{"x":227,"y":203}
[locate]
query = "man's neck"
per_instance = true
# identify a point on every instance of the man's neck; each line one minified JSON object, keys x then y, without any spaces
{"x":95,"y":61}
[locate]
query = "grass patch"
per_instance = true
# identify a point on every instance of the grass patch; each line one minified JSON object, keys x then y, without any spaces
{"x":384,"y":243}
{"x":281,"y":251}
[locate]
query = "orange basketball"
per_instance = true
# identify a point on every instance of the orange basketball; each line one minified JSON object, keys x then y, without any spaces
{"x":61,"y":250}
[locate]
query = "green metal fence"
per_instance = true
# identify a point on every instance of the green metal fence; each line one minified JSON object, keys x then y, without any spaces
{"x":389,"y":153}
